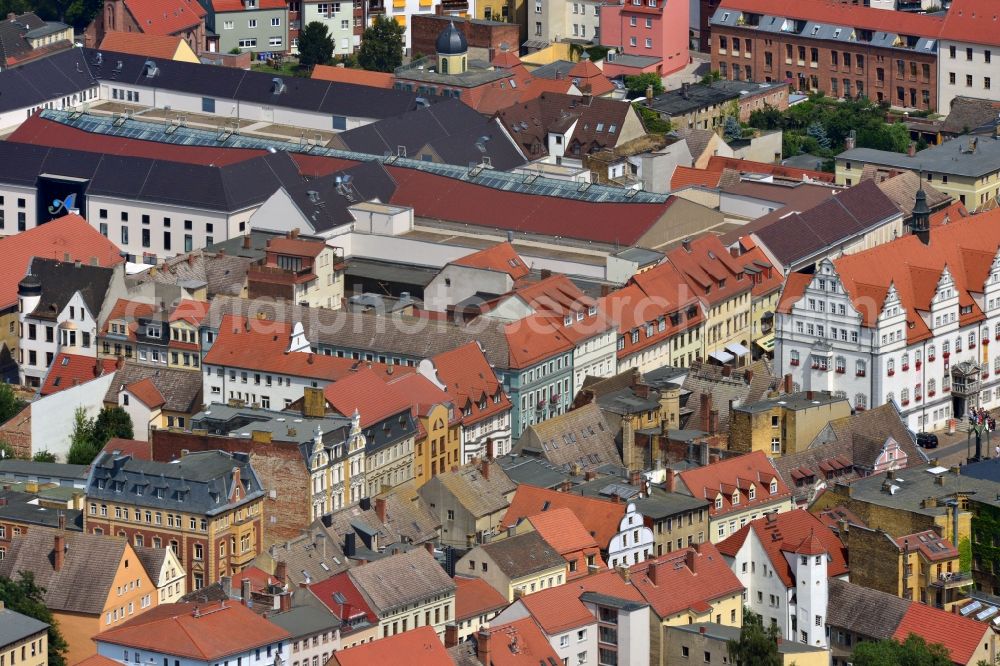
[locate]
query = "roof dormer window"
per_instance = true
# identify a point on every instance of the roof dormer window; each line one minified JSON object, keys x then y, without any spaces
{"x":718,"y":502}
{"x":752,"y":493}
{"x":774,"y":486}
{"x":736,"y":497}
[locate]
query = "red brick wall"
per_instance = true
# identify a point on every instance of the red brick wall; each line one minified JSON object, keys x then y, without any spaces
{"x":874,"y":59}
{"x":425,"y":28}
{"x":279,"y":466}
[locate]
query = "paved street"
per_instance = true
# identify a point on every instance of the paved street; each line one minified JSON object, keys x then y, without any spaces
{"x":956,"y":449}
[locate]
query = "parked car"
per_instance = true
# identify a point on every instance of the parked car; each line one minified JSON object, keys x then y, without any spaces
{"x":927,"y":440}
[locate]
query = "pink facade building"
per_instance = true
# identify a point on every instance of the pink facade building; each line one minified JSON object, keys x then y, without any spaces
{"x":650,"y":36}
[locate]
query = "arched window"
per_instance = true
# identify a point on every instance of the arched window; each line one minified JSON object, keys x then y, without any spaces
{"x":444,"y":65}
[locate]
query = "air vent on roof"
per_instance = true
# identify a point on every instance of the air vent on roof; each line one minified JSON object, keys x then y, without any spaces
{"x":422,"y":102}
{"x":277,"y":86}
{"x":313,"y":196}
{"x":150,"y":69}
{"x":99,"y":58}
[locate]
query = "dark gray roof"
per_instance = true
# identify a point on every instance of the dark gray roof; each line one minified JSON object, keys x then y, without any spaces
{"x":451,"y":41}
{"x":792,"y":401}
{"x":313,"y":556}
{"x":28,"y":470}
{"x":911,"y":486}
{"x":152,"y":560}
{"x":698,"y":96}
{"x":953,"y":157}
{"x":34,"y":83}
{"x":614,"y":602}
{"x":230,"y":188}
{"x":20,"y":507}
{"x":13,"y":31}
{"x":324,"y":201}
{"x":181,"y":389}
{"x":61,"y":280}
{"x":863,"y":611}
{"x":557,"y":69}
{"x":451,"y":129}
{"x":580,"y":436}
{"x":523,"y":555}
{"x":83,"y":583}
{"x":662,"y":504}
{"x":836,"y":219}
{"x":15,"y":627}
{"x":968,"y":114}
{"x":533,"y":471}
{"x":312,"y":95}
{"x":221,"y":273}
{"x":199,"y":482}
{"x":308,"y":616}
{"x":401,"y":580}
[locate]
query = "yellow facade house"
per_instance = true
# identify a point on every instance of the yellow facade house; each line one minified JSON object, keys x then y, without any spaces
{"x":784,"y":424}
{"x":516,"y":566}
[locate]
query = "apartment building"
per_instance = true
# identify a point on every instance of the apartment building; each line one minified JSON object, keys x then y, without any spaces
{"x":965,"y":53}
{"x":888,"y":56}
{"x":256,"y":26}
{"x":207,"y":508}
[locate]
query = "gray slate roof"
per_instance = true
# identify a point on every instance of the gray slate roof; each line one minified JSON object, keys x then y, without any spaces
{"x":181,"y":389}
{"x":706,"y":378}
{"x":230,"y":188}
{"x":61,"y":74}
{"x":152,"y":560}
{"x":20,"y":507}
{"x":60,"y":280}
{"x":401,"y":580}
{"x":199,"y":482}
{"x":480,"y":496}
{"x":369,"y":180}
{"x":533,"y":471}
{"x":699,"y":96}
{"x":221,"y":273}
{"x":523,"y":555}
{"x":15,"y":627}
{"x":29,"y":470}
{"x":308,"y":616}
{"x":316,"y":554}
{"x":661,"y":504}
{"x":951,"y":157}
{"x":300,"y":93}
{"x":85,"y":580}
{"x":864,"y":611}
{"x":580,"y":436}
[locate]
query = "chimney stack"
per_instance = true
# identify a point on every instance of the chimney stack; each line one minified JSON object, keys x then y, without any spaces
{"x":787,"y":384}
{"x":689,"y":558}
{"x":706,"y":410}
{"x":483,"y":646}
{"x":429,"y":547}
{"x":450,"y":635}
{"x":380,"y":509}
{"x":285,"y":602}
{"x":281,"y":571}
{"x":59,"y":554}
{"x":911,"y":150}
{"x":727,"y":370}
{"x":590,"y":475}
{"x":62,"y":521}
{"x":245,"y":592}
{"x":651,"y":572}
{"x":670,"y":482}
{"x":484,"y":469}
{"x":246,"y":242}
{"x":546,"y":273}
{"x":713,"y":422}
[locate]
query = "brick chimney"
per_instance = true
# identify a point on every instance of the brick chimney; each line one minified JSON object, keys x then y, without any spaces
{"x":483,"y":646}
{"x":787,"y":384}
{"x":245,"y":591}
{"x":652,"y":572}
{"x":450,"y":635}
{"x":380,"y":509}
{"x":713,"y":422}
{"x":689,"y":558}
{"x":429,"y":547}
{"x":670,"y":482}
{"x":484,"y":469}
{"x":590,"y":475}
{"x":635,"y":478}
{"x":285,"y":602}
{"x":59,"y":552}
{"x":706,"y":410}
{"x":281,"y":571}
{"x":62,"y":521}
{"x":727,"y":370}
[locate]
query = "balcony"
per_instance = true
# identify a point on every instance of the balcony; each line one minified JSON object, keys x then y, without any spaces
{"x":948,"y":580}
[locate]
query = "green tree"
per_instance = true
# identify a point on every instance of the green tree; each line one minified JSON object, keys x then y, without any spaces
{"x":757,"y":644}
{"x":637,"y":85}
{"x":965,"y":554}
{"x":24,"y":596}
{"x":914,"y":651}
{"x":10,"y":404}
{"x":731,"y":128}
{"x":711,"y":77}
{"x":651,"y":120}
{"x":382,"y":45}
{"x":6,"y":450}
{"x":82,"y":448}
{"x":768,"y":118}
{"x":44,"y":456}
{"x":112,"y":422}
{"x":315,"y":45}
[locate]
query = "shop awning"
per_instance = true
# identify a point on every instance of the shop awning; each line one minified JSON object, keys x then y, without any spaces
{"x":721,"y":356}
{"x":766,"y":343}
{"x":736,"y":349}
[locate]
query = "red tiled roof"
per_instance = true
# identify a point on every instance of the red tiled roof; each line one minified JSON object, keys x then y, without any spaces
{"x":136,"y":449}
{"x":961,"y":635}
{"x":972,"y":21}
{"x":68,"y":235}
{"x":599,"y":517}
{"x":558,"y":609}
{"x":97,"y":660}
{"x":562,"y":530}
{"x":726,"y":476}
{"x":520,"y":643}
{"x":718,"y":162}
{"x":469,"y":379}
{"x":475,"y":597}
{"x":165,"y":17}
{"x":685,"y":176}
{"x":41,"y":132}
{"x":505,"y":59}
{"x":914,"y":270}
{"x":190,"y":311}
{"x":212,"y":633}
{"x":421,"y":393}
{"x":146,"y":392}
{"x":869,"y":18}
{"x":953,"y":213}
{"x":762,"y":273}
{"x":795,"y":531}
{"x":142,"y":44}
{"x":355,"y":606}
{"x":368,"y":392}
{"x":129,"y":312}
{"x":558,"y":300}
{"x":688,"y":579}
{"x":709,"y":269}
{"x":587,"y":73}
{"x":69,"y":370}
{"x":534,"y":338}
{"x":360,"y":77}
{"x":501,"y":257}
{"x":263,"y":348}
{"x":417,"y":647}
{"x":296,"y":247}
{"x":259,"y":579}
{"x":930,"y":544}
